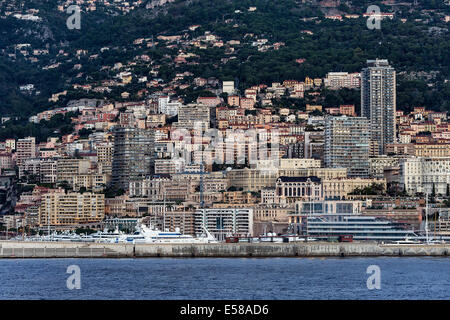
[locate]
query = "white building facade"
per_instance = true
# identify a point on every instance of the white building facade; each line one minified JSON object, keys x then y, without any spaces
{"x":419,"y":175}
{"x":224,"y":222}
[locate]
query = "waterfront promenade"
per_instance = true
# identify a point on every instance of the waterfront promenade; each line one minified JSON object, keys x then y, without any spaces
{"x":17,"y":249}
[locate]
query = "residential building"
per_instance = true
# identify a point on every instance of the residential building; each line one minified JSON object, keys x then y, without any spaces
{"x":193,"y":116}
{"x":25,"y":149}
{"x":167,"y":107}
{"x":423,"y":175}
{"x":258,"y":179}
{"x":223,"y":222}
{"x":338,"y":80}
{"x":347,"y":144}
{"x":71,"y":209}
{"x":67,"y":169}
{"x":378,"y":101}
{"x":133,"y":155}
{"x":340,"y":188}
{"x":432,"y":150}
{"x":377,"y":165}
{"x":6,"y":161}
{"x":228,"y":87}
{"x":105,"y":153}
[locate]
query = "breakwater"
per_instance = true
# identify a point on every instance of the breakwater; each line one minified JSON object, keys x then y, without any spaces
{"x":17,"y":249}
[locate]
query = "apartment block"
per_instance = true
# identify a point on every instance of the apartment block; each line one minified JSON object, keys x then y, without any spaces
{"x":347,"y":144}
{"x":422,"y":175}
{"x":193,"y":116}
{"x":67,"y":169}
{"x":223,"y":222}
{"x":25,"y":149}
{"x":341,"y":188}
{"x":134,"y":154}
{"x":105,"y":153}
{"x":378,"y":101}
{"x":377,"y":165}
{"x":71,"y":209}
{"x":337,"y":80}
{"x":165,"y":106}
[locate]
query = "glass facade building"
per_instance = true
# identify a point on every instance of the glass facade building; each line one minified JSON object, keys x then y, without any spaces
{"x":347,"y":145}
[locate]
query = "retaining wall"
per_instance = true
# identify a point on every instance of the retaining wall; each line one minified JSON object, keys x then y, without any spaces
{"x":11,"y":249}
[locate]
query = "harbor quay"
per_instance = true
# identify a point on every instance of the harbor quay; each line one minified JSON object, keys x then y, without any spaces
{"x":18,"y":249}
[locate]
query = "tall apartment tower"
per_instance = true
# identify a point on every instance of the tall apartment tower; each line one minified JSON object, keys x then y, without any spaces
{"x":133,"y":156}
{"x":347,"y":144}
{"x":26,"y":149}
{"x":378,"y":101}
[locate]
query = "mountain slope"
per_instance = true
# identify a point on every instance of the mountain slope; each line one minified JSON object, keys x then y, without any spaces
{"x":326,"y":45}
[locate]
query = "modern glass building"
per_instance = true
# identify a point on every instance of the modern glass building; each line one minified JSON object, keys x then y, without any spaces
{"x":360,"y":227}
{"x":347,"y":144}
{"x":328,"y":219}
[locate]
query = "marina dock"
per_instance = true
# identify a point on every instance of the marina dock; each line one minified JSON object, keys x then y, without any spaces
{"x":17,"y":249}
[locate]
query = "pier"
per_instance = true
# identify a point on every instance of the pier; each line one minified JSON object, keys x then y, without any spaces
{"x":17,"y":249}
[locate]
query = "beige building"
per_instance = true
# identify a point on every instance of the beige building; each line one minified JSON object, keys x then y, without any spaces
{"x":119,"y":207}
{"x":105,"y":152}
{"x":257,"y":179}
{"x":68,"y":168}
{"x":340,"y":188}
{"x":183,"y":220}
{"x":271,"y":213}
{"x":292,"y":189}
{"x":95,"y":182}
{"x":6,"y":161}
{"x":291,"y":163}
{"x":49,"y":170}
{"x":402,"y":149}
{"x":155,"y":120}
{"x":71,"y":208}
{"x":209,"y":198}
{"x":157,"y":189}
{"x":432,"y":150}
{"x":26,"y":149}
{"x":238,"y":197}
{"x":169,"y":166}
{"x":215,"y":184}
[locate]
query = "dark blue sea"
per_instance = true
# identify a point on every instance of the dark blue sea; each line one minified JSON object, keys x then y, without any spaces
{"x":216,"y":278}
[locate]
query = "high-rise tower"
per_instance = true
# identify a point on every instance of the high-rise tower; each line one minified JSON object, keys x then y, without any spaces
{"x":347,"y":144}
{"x":133,"y":155}
{"x":378,"y":102}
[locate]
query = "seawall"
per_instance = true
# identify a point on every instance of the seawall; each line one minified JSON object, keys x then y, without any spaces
{"x":16,"y":249}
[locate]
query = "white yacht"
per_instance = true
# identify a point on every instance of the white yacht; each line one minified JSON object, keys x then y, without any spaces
{"x":145,"y":234}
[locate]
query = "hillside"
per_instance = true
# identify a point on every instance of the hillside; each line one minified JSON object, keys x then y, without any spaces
{"x":47,"y":55}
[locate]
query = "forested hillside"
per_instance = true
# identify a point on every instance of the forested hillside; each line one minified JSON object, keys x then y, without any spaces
{"x":416,"y":42}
